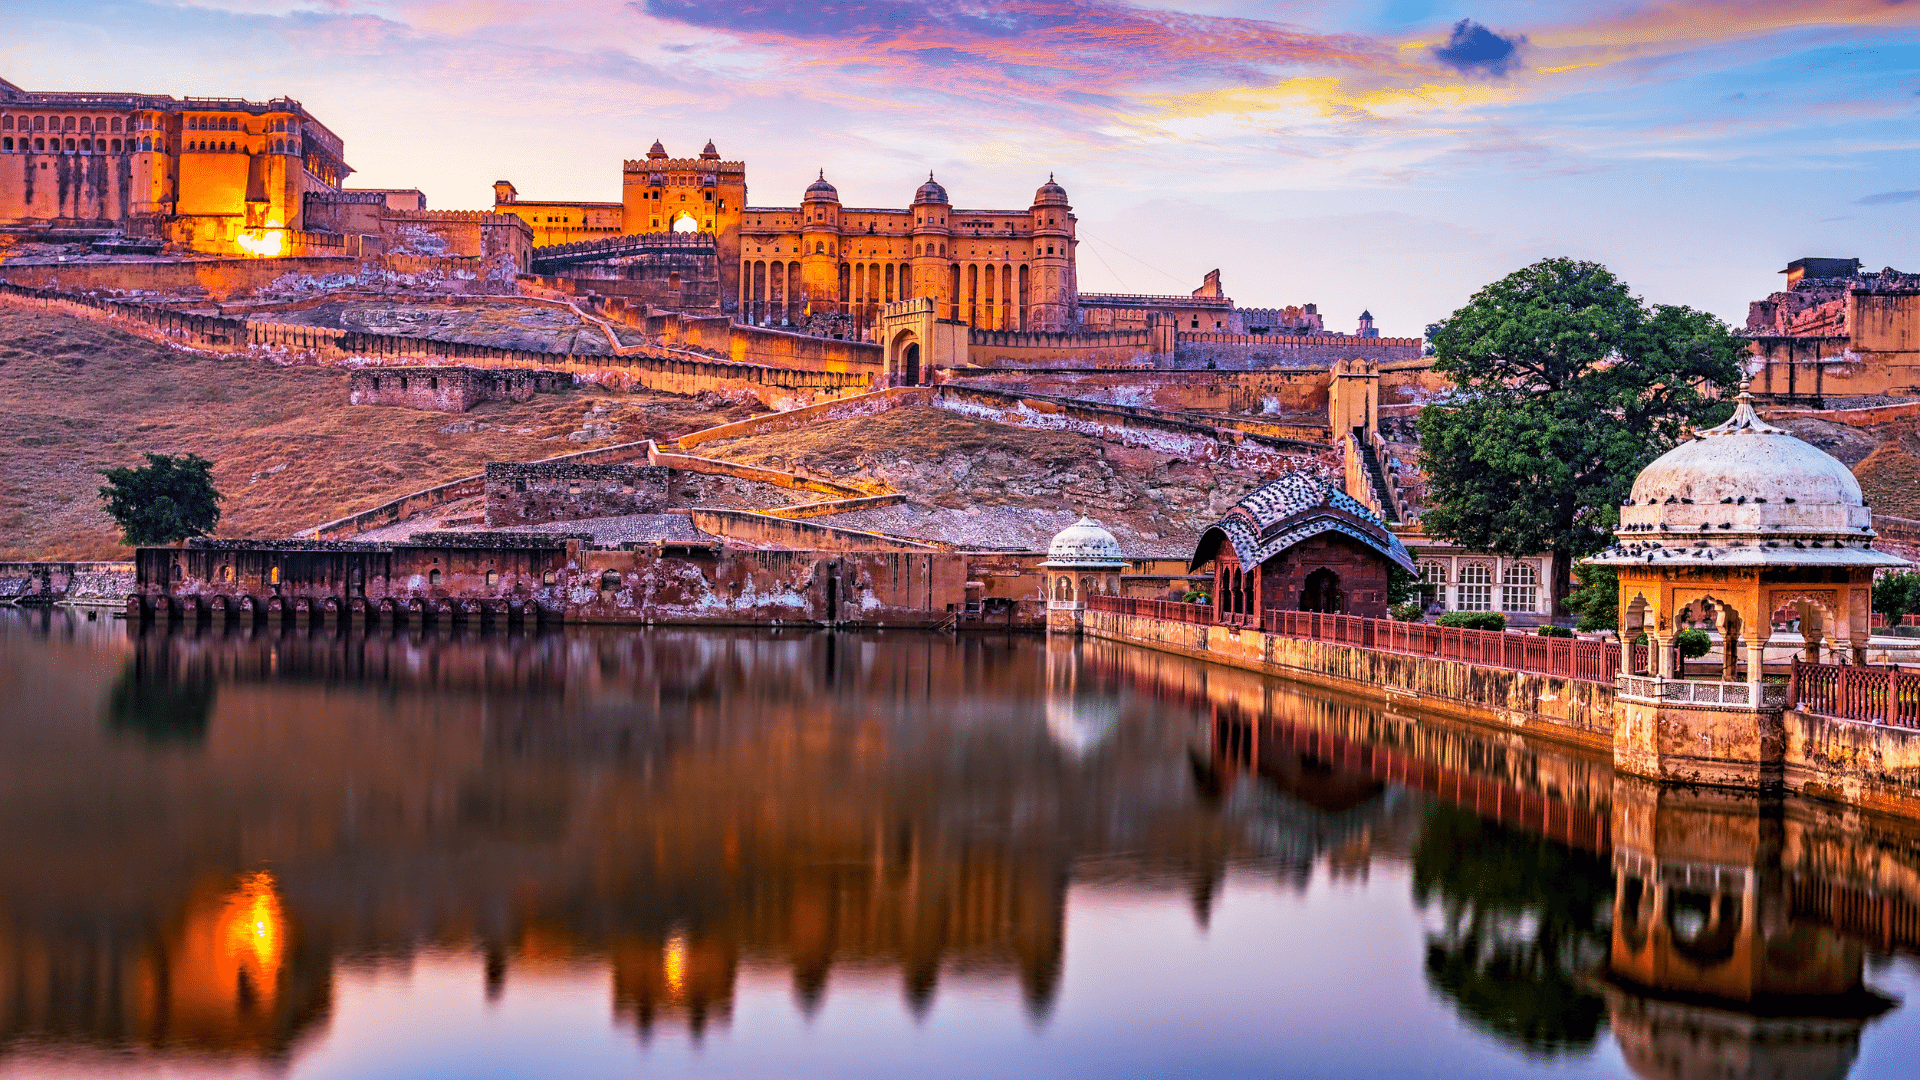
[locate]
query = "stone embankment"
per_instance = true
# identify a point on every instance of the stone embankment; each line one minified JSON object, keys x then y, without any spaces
{"x":1864,"y":764}
{"x":106,"y":583}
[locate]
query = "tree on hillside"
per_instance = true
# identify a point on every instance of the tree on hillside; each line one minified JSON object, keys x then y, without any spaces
{"x":164,"y":501}
{"x":1565,"y":387}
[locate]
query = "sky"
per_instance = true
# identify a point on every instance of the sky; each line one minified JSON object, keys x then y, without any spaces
{"x":1394,"y":155}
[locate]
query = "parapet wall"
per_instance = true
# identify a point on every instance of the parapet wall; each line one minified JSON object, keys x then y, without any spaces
{"x":217,"y":279}
{"x":1090,"y":349}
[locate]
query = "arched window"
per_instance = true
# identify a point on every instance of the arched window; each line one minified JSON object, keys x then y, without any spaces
{"x":273,"y":576}
{"x":6,"y":123}
{"x":819,"y":247}
{"x":116,"y":123}
{"x":147,"y":143}
{"x":116,"y":146}
{"x":86,"y":123}
{"x":610,"y":580}
{"x":433,"y":577}
{"x":6,"y":144}
{"x":1519,"y":588}
{"x":493,"y":577}
{"x":39,"y":144}
{"x":39,"y":123}
{"x":1476,"y":587}
{"x":1433,"y":582}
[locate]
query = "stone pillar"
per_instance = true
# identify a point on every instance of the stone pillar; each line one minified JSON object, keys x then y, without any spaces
{"x":1756,"y":660}
{"x":1661,"y":648}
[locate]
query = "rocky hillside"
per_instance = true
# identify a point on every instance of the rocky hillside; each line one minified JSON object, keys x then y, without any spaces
{"x":288,"y":451}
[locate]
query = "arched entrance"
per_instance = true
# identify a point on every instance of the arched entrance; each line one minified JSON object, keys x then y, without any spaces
{"x":910,"y":365}
{"x":1322,"y":592}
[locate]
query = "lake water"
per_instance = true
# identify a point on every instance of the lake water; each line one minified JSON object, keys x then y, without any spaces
{"x":665,"y":853}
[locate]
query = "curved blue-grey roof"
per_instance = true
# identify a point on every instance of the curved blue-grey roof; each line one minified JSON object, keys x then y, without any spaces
{"x":1289,"y":510}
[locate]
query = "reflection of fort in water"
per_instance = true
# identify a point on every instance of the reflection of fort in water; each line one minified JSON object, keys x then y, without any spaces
{"x":680,"y":805}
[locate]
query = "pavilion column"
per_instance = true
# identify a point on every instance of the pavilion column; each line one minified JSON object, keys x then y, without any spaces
{"x":1756,"y":660}
{"x":1662,"y":649}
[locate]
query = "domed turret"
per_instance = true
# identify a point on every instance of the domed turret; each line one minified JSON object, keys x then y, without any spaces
{"x":1084,"y":544}
{"x":1747,"y":492}
{"x":657,"y":151}
{"x":1050,"y":194}
{"x":710,"y":152}
{"x":930,"y":192}
{"x":821,"y":191}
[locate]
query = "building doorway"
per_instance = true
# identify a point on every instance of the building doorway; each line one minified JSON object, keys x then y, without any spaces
{"x":911,"y":365}
{"x":1322,"y":593}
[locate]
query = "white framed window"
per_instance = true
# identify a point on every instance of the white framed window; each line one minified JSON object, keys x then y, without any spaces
{"x":1433,"y":582}
{"x":1519,"y":588}
{"x":1476,"y":587}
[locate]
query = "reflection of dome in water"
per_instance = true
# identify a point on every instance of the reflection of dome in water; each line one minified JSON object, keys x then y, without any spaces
{"x":1665,"y":1040}
{"x":1079,"y":723}
{"x":1285,"y":826}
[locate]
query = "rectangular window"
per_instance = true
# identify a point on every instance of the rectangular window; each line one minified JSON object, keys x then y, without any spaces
{"x":1476,"y":588}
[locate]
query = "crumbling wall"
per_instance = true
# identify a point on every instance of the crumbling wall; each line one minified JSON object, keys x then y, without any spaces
{"x":448,"y":389}
{"x":534,"y":493}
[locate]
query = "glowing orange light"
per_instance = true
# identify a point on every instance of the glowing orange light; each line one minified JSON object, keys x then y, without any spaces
{"x":253,"y":929}
{"x":266,"y":243}
{"x":676,"y":965}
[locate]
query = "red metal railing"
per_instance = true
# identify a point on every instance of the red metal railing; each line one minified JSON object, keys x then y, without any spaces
{"x":1590,"y":661}
{"x":1880,"y":695}
{"x":1171,"y":610}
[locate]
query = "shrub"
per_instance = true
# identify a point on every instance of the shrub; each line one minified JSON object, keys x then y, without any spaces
{"x":164,"y":501}
{"x":1411,"y":611}
{"x":1693,"y":643}
{"x":1553,"y":631}
{"x":1473,"y":620}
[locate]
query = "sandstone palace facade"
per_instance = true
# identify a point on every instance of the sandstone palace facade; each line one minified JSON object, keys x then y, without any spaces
{"x":213,"y":174}
{"x":784,"y":265}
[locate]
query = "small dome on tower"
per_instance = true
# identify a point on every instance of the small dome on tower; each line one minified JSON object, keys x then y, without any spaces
{"x":930,"y":192}
{"x":658,"y":151}
{"x":1050,"y":194}
{"x":1085,"y":543}
{"x":709,"y":153}
{"x":821,"y":191}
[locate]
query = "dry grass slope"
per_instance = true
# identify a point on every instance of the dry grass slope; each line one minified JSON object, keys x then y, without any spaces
{"x":288,"y":451}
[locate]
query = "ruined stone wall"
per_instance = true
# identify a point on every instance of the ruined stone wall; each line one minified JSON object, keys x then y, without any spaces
{"x":73,"y":582}
{"x":502,"y":577}
{"x":534,"y":493}
{"x":1290,"y":393}
{"x":1246,"y":351}
{"x":448,"y":389}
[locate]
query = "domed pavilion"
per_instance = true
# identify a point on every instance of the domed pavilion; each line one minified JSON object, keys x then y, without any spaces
{"x":1083,"y":560}
{"x":1733,"y":525}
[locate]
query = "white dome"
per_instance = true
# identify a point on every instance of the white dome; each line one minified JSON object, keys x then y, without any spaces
{"x":1084,"y":543}
{"x":1746,"y":492}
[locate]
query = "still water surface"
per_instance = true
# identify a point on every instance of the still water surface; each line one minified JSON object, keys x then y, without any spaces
{"x":704,"y":854}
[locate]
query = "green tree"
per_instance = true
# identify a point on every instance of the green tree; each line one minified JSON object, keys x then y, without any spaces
{"x":1565,"y":386}
{"x":1898,"y":594}
{"x":164,"y":501}
{"x":1595,"y":597}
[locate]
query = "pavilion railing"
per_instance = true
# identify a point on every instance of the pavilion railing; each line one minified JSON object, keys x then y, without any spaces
{"x":1879,"y":695}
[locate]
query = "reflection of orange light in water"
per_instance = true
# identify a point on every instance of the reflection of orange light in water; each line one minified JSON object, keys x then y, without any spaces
{"x":266,"y":243}
{"x":253,"y":930}
{"x":675,"y":966}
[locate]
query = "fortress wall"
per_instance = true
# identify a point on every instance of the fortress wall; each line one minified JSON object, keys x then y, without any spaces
{"x":773,"y":531}
{"x":1283,"y":392}
{"x":1005,"y":348}
{"x":1245,"y":351}
{"x":218,"y":279}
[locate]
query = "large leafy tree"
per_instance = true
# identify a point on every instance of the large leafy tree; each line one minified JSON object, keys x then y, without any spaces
{"x":164,"y":501}
{"x":1565,"y":386}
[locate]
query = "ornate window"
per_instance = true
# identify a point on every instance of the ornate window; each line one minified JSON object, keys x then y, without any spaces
{"x":1476,"y":587}
{"x":1519,"y":588}
{"x":1433,"y":582}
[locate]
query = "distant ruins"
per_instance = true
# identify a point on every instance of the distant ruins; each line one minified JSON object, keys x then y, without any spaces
{"x":1837,"y":331}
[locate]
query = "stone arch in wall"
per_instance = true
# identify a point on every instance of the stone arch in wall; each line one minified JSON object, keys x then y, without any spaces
{"x":904,"y":358}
